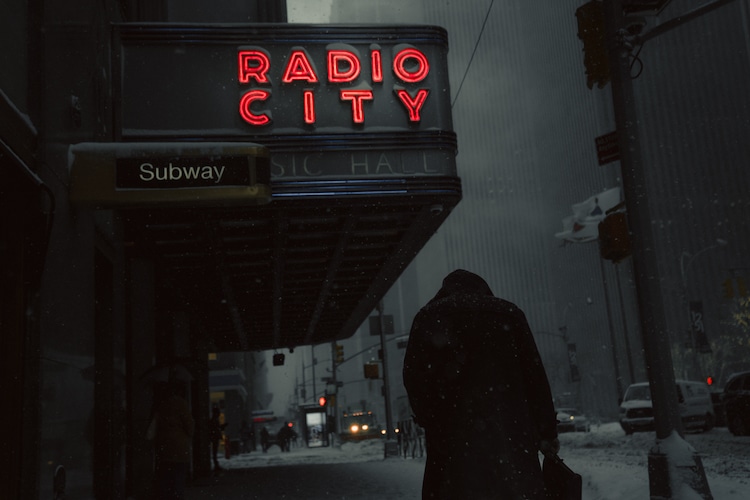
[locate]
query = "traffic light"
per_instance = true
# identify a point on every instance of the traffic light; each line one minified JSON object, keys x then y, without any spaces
{"x":278,"y":359}
{"x":323,"y":400}
{"x":709,"y":380}
{"x":741,"y":287}
{"x":372,"y":370}
{"x":728,"y":288}
{"x":614,"y":237}
{"x":339,"y":353}
{"x":591,"y":31}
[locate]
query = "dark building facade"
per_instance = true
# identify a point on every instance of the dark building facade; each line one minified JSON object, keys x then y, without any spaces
{"x":527,"y":124}
{"x":106,"y":294}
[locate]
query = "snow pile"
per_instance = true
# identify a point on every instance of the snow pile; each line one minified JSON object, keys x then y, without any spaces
{"x":614,"y":466}
{"x":364,"y":451}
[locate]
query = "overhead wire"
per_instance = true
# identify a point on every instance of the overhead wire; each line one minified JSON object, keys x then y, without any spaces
{"x":471,"y":59}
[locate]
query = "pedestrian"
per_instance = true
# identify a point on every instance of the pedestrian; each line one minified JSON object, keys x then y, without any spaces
{"x":215,"y":432}
{"x":294,"y":437}
{"x":265,"y":439}
{"x":173,"y":436}
{"x":477,"y":386}
{"x":284,"y":437}
{"x":245,"y":437}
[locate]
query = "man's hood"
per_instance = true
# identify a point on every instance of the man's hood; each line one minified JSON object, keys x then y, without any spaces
{"x":462,"y":281}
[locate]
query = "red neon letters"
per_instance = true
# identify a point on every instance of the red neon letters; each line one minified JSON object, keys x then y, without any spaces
{"x":245,"y":111}
{"x":357,"y":96}
{"x":343,"y":66}
{"x":254,"y":64}
{"x":299,"y":68}
{"x":335,"y":74}
{"x":413,"y":105}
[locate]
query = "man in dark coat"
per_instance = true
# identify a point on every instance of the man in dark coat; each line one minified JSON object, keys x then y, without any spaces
{"x":476,"y":384}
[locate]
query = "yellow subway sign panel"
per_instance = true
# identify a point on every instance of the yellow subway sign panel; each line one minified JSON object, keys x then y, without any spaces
{"x":118,"y":175}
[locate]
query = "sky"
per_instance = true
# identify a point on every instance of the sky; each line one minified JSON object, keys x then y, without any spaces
{"x":284,"y":380}
{"x":309,"y":11}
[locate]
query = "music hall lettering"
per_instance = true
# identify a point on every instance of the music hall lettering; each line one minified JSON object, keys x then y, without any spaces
{"x":352,"y":164}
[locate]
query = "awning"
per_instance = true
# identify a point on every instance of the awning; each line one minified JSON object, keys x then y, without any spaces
{"x":307,"y":268}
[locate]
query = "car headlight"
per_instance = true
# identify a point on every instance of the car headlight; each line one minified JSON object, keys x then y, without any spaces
{"x":354,"y":428}
{"x":365,"y":427}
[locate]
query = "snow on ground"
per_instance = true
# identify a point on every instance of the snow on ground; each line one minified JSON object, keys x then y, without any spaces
{"x":613,"y":465}
{"x":364,"y":451}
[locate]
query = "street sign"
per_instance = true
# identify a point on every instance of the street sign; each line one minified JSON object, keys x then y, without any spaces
{"x":175,"y":174}
{"x":607,"y":148}
{"x":698,"y":328}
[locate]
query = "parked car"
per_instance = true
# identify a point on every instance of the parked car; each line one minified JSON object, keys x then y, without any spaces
{"x":736,"y":400}
{"x":694,"y":400}
{"x":717,"y":398}
{"x":572,"y":420}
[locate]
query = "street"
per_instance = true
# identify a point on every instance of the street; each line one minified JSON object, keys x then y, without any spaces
{"x":393,"y":478}
{"x":613,"y":466}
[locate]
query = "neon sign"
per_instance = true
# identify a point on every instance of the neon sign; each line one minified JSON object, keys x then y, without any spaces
{"x":343,"y":65}
{"x":293,"y":88}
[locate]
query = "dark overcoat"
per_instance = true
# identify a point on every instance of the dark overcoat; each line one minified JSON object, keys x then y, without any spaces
{"x":476,"y":384}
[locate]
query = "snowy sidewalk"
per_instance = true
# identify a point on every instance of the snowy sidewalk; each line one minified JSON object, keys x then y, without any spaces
{"x":613,"y":465}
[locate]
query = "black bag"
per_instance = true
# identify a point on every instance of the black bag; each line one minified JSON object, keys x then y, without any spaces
{"x":560,"y":482}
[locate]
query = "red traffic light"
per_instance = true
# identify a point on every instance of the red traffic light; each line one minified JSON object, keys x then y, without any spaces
{"x":322,"y":400}
{"x":709,"y":380}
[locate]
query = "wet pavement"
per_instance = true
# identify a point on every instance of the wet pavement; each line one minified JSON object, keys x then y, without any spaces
{"x":312,"y":474}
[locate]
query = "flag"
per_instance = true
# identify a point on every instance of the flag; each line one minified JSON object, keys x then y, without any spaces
{"x":595,"y":208}
{"x":583,"y":225}
{"x":577,"y":232}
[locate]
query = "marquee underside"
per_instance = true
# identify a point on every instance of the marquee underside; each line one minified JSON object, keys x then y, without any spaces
{"x":307,"y":268}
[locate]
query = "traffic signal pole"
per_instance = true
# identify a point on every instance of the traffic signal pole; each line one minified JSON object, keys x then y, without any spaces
{"x":672,"y":463}
{"x":390,"y":449}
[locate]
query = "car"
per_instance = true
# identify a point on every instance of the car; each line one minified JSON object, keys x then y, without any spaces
{"x":736,"y":399}
{"x":694,"y":402}
{"x":717,"y":399}
{"x":572,"y":420}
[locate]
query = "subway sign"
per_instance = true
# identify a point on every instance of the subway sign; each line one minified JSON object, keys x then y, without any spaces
{"x":174,"y":174}
{"x":160,"y":172}
{"x":332,"y":101}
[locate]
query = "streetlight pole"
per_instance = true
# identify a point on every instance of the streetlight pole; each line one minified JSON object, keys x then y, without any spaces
{"x":389,"y":444}
{"x":684,"y":268}
{"x":667,"y":472}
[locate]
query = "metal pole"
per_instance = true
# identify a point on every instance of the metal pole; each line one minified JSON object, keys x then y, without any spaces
{"x":667,"y":473}
{"x":612,"y":338}
{"x":334,"y":379}
{"x":625,"y":333}
{"x":386,"y":386}
{"x":312,"y":355}
{"x":682,"y":19}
